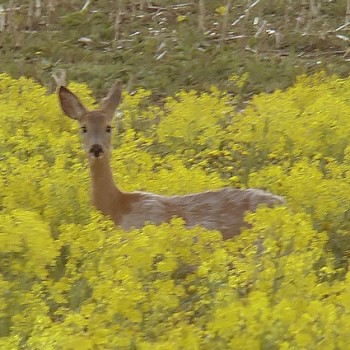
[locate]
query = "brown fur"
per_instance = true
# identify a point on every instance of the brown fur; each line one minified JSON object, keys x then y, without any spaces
{"x":222,"y":210}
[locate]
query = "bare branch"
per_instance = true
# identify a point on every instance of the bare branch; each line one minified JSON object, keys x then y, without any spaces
{"x":30,"y":16}
{"x":246,"y":13}
{"x":2,"y":18}
{"x":117,"y":24}
{"x":314,"y":8}
{"x":226,"y":17}
{"x":339,"y":28}
{"x":201,"y":18}
{"x":86,"y":5}
{"x":60,"y":78}
{"x":37,"y":8}
{"x":261,"y":29}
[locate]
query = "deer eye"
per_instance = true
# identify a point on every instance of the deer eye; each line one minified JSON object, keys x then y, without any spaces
{"x":108,"y":128}
{"x":83,"y":129}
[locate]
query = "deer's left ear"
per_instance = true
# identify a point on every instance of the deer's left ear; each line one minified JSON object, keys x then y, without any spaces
{"x":71,"y":104}
{"x":113,"y":99}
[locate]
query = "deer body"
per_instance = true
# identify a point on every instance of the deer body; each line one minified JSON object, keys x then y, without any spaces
{"x":221,"y":210}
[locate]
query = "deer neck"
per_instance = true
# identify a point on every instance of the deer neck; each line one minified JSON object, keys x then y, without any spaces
{"x":104,"y":191}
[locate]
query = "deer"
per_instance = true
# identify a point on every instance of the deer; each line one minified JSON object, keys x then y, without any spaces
{"x":223,"y":210}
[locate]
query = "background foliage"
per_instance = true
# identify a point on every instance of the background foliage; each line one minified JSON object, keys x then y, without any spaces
{"x":71,"y":280}
{"x":165,"y":45}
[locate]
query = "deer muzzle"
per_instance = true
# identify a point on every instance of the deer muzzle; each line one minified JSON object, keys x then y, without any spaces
{"x":96,"y":151}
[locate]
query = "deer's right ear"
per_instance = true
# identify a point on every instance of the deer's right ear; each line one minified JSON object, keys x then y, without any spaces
{"x":71,"y":104}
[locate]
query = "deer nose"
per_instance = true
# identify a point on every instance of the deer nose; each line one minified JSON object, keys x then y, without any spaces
{"x":96,"y":150}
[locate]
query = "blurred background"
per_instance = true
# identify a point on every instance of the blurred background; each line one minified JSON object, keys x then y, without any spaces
{"x":168,"y":45}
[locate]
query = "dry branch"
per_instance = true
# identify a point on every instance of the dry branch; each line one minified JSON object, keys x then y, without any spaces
{"x":245,"y":14}
{"x":86,"y":5}
{"x":201,"y":16}
{"x":314,"y":8}
{"x":117,"y":24}
{"x":37,"y":8}
{"x":2,"y":18}
{"x":60,"y":78}
{"x":342,"y":27}
{"x":30,"y":15}
{"x":226,"y":18}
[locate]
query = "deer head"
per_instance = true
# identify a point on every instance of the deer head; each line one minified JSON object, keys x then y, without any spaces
{"x":95,"y":125}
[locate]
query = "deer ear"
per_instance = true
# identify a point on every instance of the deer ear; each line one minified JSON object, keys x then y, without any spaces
{"x":71,"y":104}
{"x":113,"y":99}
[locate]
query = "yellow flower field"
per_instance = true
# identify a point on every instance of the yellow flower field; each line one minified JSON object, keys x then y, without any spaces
{"x":69,"y":279}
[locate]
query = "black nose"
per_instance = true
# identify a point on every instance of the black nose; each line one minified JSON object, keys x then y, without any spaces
{"x":96,"y":150}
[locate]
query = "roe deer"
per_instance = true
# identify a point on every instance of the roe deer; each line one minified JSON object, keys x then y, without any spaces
{"x":221,"y":210}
